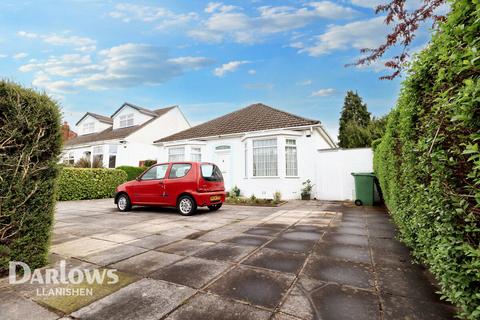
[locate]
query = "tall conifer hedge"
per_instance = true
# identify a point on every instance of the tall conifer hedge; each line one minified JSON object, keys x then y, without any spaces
{"x":428,"y":162}
{"x":30,"y":142}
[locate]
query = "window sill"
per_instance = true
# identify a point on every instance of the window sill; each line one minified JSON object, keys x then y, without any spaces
{"x":265,"y":177}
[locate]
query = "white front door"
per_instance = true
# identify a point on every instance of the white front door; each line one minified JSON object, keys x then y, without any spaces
{"x":223,"y":162}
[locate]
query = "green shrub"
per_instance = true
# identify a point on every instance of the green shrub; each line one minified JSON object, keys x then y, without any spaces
{"x":30,"y":142}
{"x":235,"y":192}
{"x":149,"y":163}
{"x":428,"y":161}
{"x":97,"y":183}
{"x":132,"y":172}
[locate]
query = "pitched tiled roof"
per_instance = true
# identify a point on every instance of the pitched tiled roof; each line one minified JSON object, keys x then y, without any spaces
{"x":110,"y":134}
{"x":255,"y":117}
{"x":138,"y":108}
{"x":99,"y":117}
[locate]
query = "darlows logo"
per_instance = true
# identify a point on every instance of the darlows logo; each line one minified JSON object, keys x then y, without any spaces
{"x":60,"y":276}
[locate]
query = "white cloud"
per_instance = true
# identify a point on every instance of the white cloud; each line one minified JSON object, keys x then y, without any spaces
{"x":3,"y":56}
{"x":228,"y":67}
{"x":324,"y":92}
{"x":368,"y":3}
{"x":122,"y":66}
{"x":358,"y":35}
{"x":82,"y":44}
{"x":230,"y":22}
{"x":151,"y":14}
{"x":20,"y":55}
{"x":252,"y":71}
{"x":305,"y":82}
{"x":26,"y":34}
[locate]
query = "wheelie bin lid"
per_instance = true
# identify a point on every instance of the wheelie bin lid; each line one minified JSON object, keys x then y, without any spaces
{"x":368,"y":174}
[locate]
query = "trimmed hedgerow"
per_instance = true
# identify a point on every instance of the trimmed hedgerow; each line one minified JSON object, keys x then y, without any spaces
{"x":132,"y":172}
{"x":428,"y":161}
{"x":88,"y":183}
{"x":30,"y":142}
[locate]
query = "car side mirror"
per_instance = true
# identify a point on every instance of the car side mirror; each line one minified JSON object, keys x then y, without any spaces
{"x":138,"y":178}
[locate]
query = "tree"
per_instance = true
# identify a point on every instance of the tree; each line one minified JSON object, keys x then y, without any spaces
{"x":353,"y":120}
{"x":405,"y":23}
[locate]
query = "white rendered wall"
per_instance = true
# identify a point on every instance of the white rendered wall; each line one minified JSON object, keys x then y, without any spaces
{"x":98,"y":127}
{"x":334,"y":167}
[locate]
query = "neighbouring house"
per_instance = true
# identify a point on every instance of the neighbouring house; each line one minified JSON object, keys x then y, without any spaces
{"x":124,"y":138}
{"x":67,"y":134}
{"x":260,"y":149}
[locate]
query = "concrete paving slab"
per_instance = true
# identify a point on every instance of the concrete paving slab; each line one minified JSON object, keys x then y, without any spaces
{"x":153,"y":241}
{"x":147,"y":262}
{"x":408,"y":281}
{"x":192,"y":272}
{"x":213,"y":307}
{"x":343,"y":252}
{"x":298,"y":304}
{"x":185,"y":247}
{"x":277,"y":260}
{"x":333,"y":302}
{"x":350,"y":230}
{"x":249,"y":240}
{"x":146,"y":299}
{"x":400,"y":308}
{"x":291,"y":245}
{"x":15,"y":307}
{"x":121,"y":236}
{"x":343,"y":272}
{"x":255,"y":286}
{"x":301,"y":235}
{"x":82,"y":247}
{"x":225,"y":252}
{"x":357,"y":240}
{"x":112,"y":255}
{"x":259,"y":231}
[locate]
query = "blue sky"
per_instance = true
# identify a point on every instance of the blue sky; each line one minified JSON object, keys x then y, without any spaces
{"x":207,"y":57}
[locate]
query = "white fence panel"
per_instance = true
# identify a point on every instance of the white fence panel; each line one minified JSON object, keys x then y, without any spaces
{"x":334,"y":180}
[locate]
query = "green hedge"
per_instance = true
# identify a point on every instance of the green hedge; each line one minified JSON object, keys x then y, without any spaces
{"x":87,"y":183}
{"x":30,"y":142}
{"x":428,"y":161}
{"x":132,"y":172}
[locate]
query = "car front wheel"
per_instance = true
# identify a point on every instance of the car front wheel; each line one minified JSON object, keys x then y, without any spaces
{"x":123,"y":203}
{"x":186,"y":206}
{"x":215,"y":207}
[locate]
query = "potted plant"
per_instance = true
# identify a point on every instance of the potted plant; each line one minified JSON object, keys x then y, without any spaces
{"x":307,"y":189}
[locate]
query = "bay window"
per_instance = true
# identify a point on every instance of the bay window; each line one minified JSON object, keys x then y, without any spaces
{"x":265,"y":158}
{"x":195,"y":154}
{"x":112,"y":158}
{"x":97,"y":155}
{"x":291,"y":164}
{"x":176,"y":154}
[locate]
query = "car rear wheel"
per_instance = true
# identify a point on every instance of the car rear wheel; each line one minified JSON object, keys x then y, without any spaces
{"x":123,"y":203}
{"x":215,"y":207}
{"x":186,"y":206}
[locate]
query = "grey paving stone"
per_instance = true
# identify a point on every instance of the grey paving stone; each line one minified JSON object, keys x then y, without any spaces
{"x":192,"y":272}
{"x":146,"y":299}
{"x":15,"y":307}
{"x":298,"y":304}
{"x":255,"y":286}
{"x":259,"y":231}
{"x":270,"y":225}
{"x":357,"y":240}
{"x":344,"y":252}
{"x":225,"y":251}
{"x":248,"y":240}
{"x":213,"y":307}
{"x":277,"y":260}
{"x":337,"y":271}
{"x":147,"y":262}
{"x":334,"y":302}
{"x":408,"y":281}
{"x":185,"y":247}
{"x":302,"y":235}
{"x":350,"y":230}
{"x":291,"y":245}
{"x":153,"y":241}
{"x":399,"y":308}
{"x":112,"y":255}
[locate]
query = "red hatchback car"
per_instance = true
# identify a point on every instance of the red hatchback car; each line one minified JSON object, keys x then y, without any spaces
{"x":185,"y":185}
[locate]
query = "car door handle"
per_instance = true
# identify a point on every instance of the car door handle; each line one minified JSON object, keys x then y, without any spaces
{"x":161,"y":182}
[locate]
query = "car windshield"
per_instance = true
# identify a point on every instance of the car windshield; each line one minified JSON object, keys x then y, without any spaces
{"x":211,"y":172}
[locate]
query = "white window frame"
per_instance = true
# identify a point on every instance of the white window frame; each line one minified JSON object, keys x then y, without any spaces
{"x":291,"y":164}
{"x":127,"y":120}
{"x":112,"y":152}
{"x":89,"y":127}
{"x":246,"y":160}
{"x":196,"y":154}
{"x":261,"y":160}
{"x":176,"y":154}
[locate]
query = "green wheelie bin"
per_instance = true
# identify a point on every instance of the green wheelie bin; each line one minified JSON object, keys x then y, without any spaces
{"x":364,"y":188}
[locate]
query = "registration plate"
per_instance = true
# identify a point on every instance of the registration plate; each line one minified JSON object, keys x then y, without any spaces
{"x":215,"y":198}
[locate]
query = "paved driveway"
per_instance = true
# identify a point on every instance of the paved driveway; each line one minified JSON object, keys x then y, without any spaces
{"x":303,"y":260}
